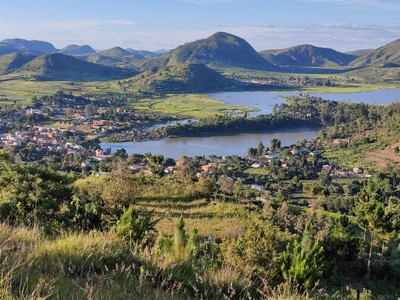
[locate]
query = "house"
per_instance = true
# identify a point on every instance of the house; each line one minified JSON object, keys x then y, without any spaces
{"x":341,"y":141}
{"x":100,"y":155}
{"x":207,"y":168}
{"x":98,"y":122}
{"x":170,"y":170}
{"x":327,"y":168}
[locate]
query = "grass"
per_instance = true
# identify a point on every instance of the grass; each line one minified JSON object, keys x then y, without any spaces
{"x":344,"y":157}
{"x":215,"y":219}
{"x":186,"y":106}
{"x":71,"y":266}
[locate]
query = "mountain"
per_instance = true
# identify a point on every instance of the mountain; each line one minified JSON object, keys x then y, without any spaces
{"x":13,"y":61}
{"x":219,"y":50}
{"x":77,"y":50}
{"x":25,"y":46}
{"x":307,"y":56}
{"x":116,"y":56}
{"x":58,"y":66}
{"x":360,"y":52}
{"x":145,"y":53}
{"x":182,"y":78}
{"x":388,"y":56}
{"x":115,"y":52}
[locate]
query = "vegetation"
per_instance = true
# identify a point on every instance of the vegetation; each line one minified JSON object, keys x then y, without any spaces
{"x":315,"y":220}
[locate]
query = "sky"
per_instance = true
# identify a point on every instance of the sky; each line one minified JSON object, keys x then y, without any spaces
{"x":344,"y":25}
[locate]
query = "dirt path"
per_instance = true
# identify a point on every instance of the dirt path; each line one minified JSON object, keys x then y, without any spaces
{"x":381,"y":157}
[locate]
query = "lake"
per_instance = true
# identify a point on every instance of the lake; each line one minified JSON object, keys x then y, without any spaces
{"x":238,"y":144}
{"x":222,"y":145}
{"x":264,"y":101}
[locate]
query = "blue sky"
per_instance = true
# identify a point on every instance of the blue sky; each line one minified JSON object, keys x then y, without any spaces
{"x":344,"y":25}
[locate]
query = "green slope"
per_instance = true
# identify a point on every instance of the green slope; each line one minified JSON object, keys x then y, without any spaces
{"x":13,"y":61}
{"x":58,"y":66}
{"x":182,"y":78}
{"x":307,"y":56}
{"x":220,"y":50}
{"x":388,"y":55}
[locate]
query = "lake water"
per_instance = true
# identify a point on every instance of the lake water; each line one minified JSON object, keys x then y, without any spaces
{"x":264,"y":101}
{"x":225,"y":145}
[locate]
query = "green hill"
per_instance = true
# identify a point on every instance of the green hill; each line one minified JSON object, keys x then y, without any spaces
{"x":13,"y":61}
{"x":388,"y":55}
{"x":116,"y":56}
{"x":77,"y":50}
{"x":182,"y":78}
{"x":58,"y":66}
{"x":307,"y":56}
{"x":25,"y":46}
{"x":219,"y":50}
{"x":117,"y":52}
{"x":146,"y":53}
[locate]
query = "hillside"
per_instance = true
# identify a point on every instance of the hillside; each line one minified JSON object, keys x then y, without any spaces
{"x":24,"y":46}
{"x":13,"y":61}
{"x":116,"y":56}
{"x":77,"y":50}
{"x":220,"y":50}
{"x":145,"y":53}
{"x":388,"y":55}
{"x":307,"y":56}
{"x":182,"y":78}
{"x":360,"y":52}
{"x":58,"y":66}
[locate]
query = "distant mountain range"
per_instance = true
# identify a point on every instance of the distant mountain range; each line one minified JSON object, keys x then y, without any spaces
{"x":308,"y":56}
{"x":57,"y":66}
{"x":77,"y":50}
{"x":41,"y":60}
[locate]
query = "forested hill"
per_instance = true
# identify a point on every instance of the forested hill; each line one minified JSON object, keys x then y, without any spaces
{"x":221,"y":49}
{"x":183,"y":78}
{"x":307,"y":56}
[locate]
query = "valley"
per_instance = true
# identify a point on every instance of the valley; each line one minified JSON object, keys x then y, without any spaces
{"x":208,"y":171}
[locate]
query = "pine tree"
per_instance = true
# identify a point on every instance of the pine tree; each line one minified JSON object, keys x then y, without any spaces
{"x":303,"y":261}
{"x":179,"y":239}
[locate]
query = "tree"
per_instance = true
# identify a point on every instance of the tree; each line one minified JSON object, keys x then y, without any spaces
{"x":226,"y":185}
{"x":260,"y":149}
{"x":90,"y":110}
{"x":370,"y":216}
{"x":135,"y":225}
{"x":274,"y":144}
{"x":179,"y":239}
{"x":303,"y":261}
{"x":206,"y":187}
{"x":252,"y":152}
{"x":120,"y":188}
{"x":31,"y":194}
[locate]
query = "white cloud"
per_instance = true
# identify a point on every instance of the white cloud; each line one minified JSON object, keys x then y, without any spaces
{"x":98,"y":34}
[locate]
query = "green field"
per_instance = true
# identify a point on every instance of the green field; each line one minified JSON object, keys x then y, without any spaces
{"x":187,"y":106}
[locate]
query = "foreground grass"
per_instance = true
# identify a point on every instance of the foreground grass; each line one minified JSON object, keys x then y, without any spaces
{"x":71,"y":266}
